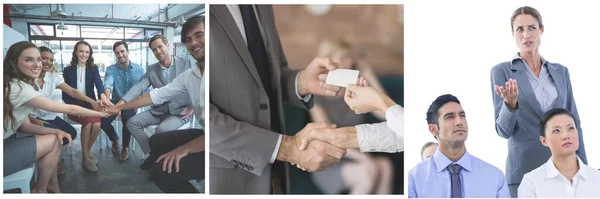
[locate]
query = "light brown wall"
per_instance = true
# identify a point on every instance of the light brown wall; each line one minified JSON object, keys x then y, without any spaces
{"x":375,"y":30}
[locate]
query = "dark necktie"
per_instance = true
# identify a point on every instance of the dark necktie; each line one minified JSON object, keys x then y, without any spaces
{"x":456,"y":185}
{"x":257,"y":49}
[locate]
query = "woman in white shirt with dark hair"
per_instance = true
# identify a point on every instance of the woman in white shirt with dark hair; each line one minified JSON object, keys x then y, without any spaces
{"x":564,"y":175}
{"x":25,"y":143}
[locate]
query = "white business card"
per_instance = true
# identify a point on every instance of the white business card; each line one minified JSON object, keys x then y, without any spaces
{"x":342,"y":77}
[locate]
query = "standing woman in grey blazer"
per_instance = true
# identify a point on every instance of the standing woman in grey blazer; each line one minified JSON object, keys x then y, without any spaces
{"x":523,"y":89}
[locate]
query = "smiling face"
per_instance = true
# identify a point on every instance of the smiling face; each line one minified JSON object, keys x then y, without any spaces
{"x":121,"y":54}
{"x":160,"y":49}
{"x":194,"y":41}
{"x":452,"y":126}
{"x":30,"y":62}
{"x":47,"y":61}
{"x":83,"y":53}
{"x":527,"y":33}
{"x":561,"y":135}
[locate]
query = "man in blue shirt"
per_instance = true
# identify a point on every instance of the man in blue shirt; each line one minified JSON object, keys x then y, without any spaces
{"x":119,"y":78}
{"x":452,"y":171}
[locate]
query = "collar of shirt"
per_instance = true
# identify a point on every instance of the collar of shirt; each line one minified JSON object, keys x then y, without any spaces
{"x":161,"y":66}
{"x":118,"y":65}
{"x":518,"y":57}
{"x":441,"y":161}
{"x":235,"y":12}
{"x":552,"y":171}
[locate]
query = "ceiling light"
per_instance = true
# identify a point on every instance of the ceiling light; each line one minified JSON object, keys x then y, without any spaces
{"x":59,"y":12}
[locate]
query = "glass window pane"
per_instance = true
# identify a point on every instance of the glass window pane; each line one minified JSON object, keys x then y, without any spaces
{"x":134,"y":33}
{"x":41,"y":30}
{"x":71,"y":31}
{"x":150,"y":33}
{"x":102,"y":32}
{"x":66,"y":53}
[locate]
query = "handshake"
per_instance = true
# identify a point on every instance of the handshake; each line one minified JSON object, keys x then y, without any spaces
{"x":317,"y":146}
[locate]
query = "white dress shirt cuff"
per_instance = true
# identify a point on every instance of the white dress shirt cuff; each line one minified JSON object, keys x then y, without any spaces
{"x":274,"y":155}
{"x":395,"y":119}
{"x":306,"y":98}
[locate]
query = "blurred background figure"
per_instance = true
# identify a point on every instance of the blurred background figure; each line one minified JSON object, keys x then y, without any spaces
{"x":428,"y":149}
{"x":368,"y":38}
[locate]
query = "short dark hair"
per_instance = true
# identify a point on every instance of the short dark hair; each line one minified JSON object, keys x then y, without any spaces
{"x":432,"y":112}
{"x":189,"y":24}
{"x":45,"y":49}
{"x":526,"y":10}
{"x":427,"y":145}
{"x":155,"y":37}
{"x":118,"y":43}
{"x":549,"y":115}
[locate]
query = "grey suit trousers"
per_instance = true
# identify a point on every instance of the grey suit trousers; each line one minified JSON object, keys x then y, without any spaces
{"x":138,"y":123}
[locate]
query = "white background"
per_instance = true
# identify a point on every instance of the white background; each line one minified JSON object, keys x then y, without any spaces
{"x":452,"y":46}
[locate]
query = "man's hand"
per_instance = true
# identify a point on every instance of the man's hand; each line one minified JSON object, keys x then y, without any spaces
{"x":172,"y":158}
{"x":188,"y":113}
{"x":113,"y":109}
{"x":363,"y":99}
{"x":341,"y":137}
{"x":317,"y":156}
{"x":312,"y":79}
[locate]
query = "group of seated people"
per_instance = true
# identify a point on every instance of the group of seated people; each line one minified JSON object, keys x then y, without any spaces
{"x":448,"y":170}
{"x":34,"y":134}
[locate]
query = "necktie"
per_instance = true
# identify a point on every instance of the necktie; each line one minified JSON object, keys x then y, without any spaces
{"x":456,"y":185}
{"x":258,"y":52}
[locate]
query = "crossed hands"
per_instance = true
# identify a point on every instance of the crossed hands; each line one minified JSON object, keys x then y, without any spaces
{"x":102,"y":106}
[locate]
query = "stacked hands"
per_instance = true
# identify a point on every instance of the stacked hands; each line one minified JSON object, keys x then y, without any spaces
{"x":320,"y":145}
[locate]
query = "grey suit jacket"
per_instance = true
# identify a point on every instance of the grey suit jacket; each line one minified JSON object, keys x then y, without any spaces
{"x":521,"y":126}
{"x":241,"y":142}
{"x":154,"y":78}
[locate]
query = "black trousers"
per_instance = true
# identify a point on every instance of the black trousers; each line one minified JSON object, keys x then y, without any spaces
{"x":191,"y":167}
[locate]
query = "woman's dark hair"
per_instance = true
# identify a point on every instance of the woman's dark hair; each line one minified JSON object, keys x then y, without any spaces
{"x":12,"y":71}
{"x":74,"y":60}
{"x":526,"y":10}
{"x":549,"y":115}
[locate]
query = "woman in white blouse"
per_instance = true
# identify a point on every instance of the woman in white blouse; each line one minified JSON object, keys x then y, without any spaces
{"x":564,"y":175}
{"x":25,"y":143}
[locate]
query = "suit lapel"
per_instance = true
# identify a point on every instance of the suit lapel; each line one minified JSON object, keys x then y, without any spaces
{"x":525,"y":89}
{"x":559,"y":83}
{"x":225,"y":20}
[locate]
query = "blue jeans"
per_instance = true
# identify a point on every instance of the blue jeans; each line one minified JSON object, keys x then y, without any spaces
{"x":58,"y":123}
{"x":108,"y":128}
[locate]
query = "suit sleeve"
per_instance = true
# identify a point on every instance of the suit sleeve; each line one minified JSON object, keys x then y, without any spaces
{"x":505,"y":119}
{"x":65,"y":97}
{"x":98,"y":82}
{"x":573,"y":109}
{"x":138,"y":88}
{"x":288,"y":76}
{"x":245,"y":145}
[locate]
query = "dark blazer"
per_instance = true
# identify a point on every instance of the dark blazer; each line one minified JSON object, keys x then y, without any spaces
{"x":521,"y":126}
{"x":92,"y":77}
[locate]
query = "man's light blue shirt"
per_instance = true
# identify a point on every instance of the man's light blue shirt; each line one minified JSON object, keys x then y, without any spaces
{"x":120,"y":80}
{"x":431,"y":178}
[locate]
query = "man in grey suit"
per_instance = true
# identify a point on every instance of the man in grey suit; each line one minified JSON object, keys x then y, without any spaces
{"x":169,"y":115}
{"x":249,"y":82}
